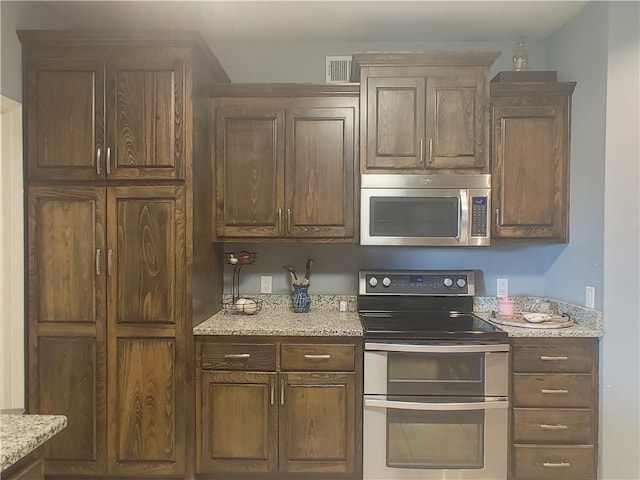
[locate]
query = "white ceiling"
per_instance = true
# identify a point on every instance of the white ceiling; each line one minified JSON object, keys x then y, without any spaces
{"x":325,"y":21}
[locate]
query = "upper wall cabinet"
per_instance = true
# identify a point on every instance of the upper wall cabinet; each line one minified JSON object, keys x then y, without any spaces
{"x":113,"y":112}
{"x":286,"y":162}
{"x":531,"y":120}
{"x":424,"y":112}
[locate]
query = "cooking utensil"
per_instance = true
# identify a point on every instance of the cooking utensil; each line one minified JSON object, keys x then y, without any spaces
{"x":292,"y":271}
{"x":307,"y":272}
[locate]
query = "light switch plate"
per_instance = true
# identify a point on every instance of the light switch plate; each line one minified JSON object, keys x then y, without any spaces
{"x":502,"y":287}
{"x":590,"y":297}
{"x":266,"y":284}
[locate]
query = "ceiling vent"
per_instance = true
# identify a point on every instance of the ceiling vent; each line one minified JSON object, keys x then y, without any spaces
{"x":338,"y":69}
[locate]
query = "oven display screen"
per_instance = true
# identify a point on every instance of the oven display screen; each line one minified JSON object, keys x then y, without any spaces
{"x":419,"y":279}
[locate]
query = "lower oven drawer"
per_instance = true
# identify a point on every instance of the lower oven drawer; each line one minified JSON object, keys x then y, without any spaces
{"x":417,"y":438}
{"x":555,"y":462}
{"x":552,"y":425}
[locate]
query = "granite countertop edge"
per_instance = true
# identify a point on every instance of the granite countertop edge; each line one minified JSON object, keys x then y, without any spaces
{"x":22,"y":434}
{"x":277,"y":319}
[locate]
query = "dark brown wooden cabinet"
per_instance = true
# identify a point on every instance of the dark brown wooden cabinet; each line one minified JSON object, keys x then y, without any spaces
{"x":531,"y":125}
{"x":424,"y":112}
{"x":554,"y":415}
{"x":119,"y":269}
{"x":281,"y":153}
{"x":279,"y":405}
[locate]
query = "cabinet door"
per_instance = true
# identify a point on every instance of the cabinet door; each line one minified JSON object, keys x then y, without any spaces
{"x":317,"y":415}
{"x":395,"y":128}
{"x":64,"y":119}
{"x":239,"y":422}
{"x":146,"y":115}
{"x":66,"y":315}
{"x":530,"y":178}
{"x":249,"y":162}
{"x":457,"y":123}
{"x":146,"y":310}
{"x":320,"y":164}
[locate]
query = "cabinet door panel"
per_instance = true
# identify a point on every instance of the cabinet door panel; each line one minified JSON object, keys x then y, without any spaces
{"x":64,"y":111}
{"x":143,"y":405}
{"x":145,"y":108}
{"x":317,"y":422}
{"x":395,"y":123}
{"x":64,"y":224}
{"x":239,"y":426}
{"x":146,"y":244}
{"x":456,"y":132}
{"x":71,"y":382}
{"x":531,"y":175}
{"x":249,"y":153}
{"x":319,"y":159}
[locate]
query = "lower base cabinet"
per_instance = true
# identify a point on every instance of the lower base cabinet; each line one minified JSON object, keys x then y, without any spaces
{"x":554,"y":409}
{"x":30,"y":467}
{"x":282,"y":408}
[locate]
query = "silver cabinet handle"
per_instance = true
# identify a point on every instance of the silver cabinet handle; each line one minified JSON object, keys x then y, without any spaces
{"x":497,"y":216}
{"x":556,"y":464}
{"x":546,"y":358}
{"x":272,"y":391}
{"x":109,"y":261}
{"x":108,"y":162}
{"x":430,"y":151}
{"x":288,"y":220}
{"x":553,"y":427}
{"x":237,"y":355}
{"x":323,"y":356}
{"x":554,"y":390}
{"x":280,"y":221}
{"x":421,"y":151}
{"x":98,"y":258}
{"x":99,"y":161}
{"x":281,"y":392}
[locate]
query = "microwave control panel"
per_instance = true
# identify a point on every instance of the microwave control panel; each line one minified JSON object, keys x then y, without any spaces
{"x":479,"y":216}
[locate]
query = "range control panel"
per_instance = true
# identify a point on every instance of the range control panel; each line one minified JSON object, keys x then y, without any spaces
{"x":441,"y":282}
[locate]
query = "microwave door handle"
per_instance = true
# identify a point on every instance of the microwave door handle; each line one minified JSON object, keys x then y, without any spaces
{"x":490,"y":403}
{"x":464,"y":216}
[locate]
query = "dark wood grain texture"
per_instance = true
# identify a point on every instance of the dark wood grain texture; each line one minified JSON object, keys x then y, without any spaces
{"x":554,"y":408}
{"x":530,"y":159}
{"x":239,"y":356}
{"x":317,"y":357}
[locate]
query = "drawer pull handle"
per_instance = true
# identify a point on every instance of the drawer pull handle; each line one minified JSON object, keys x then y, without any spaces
{"x":553,"y":427}
{"x":548,"y":358}
{"x":323,"y":356}
{"x":272,"y":389}
{"x":554,"y":390}
{"x":237,"y":355}
{"x":556,"y":464}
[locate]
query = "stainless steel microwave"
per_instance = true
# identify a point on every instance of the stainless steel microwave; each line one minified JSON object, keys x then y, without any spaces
{"x":425,"y":210}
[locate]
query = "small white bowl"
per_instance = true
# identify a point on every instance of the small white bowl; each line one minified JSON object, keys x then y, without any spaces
{"x":536,"y":317}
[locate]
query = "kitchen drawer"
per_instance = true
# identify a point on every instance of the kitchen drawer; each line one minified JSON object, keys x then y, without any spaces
{"x":318,"y":357}
{"x":552,"y":425}
{"x":554,"y":463}
{"x":239,"y":356}
{"x":552,"y":390}
{"x":556,"y":358}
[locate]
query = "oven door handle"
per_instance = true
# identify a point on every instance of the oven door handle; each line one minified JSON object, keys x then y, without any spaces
{"x":394,"y":347}
{"x":490,"y":403}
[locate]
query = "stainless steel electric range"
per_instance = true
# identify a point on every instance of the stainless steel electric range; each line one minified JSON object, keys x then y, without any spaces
{"x":435,"y":379}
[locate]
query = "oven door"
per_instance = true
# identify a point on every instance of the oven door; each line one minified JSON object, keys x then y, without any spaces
{"x":428,"y":438}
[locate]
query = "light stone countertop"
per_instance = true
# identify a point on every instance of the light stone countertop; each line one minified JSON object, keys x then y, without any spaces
{"x":281,"y":322}
{"x":22,"y":434}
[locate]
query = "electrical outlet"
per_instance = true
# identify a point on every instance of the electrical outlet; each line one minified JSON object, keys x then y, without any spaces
{"x":502,"y":287}
{"x":266,"y":284}
{"x":590,"y":297}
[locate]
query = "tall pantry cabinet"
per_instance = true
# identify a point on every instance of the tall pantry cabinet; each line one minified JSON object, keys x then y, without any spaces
{"x":120,"y":264}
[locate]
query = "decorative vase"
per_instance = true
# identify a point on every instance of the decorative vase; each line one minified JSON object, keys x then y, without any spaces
{"x":300,"y":300}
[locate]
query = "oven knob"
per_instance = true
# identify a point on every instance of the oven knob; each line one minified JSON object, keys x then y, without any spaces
{"x":461,"y":282}
{"x":386,"y":281}
{"x":447,"y":282}
{"x":373,"y":281}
